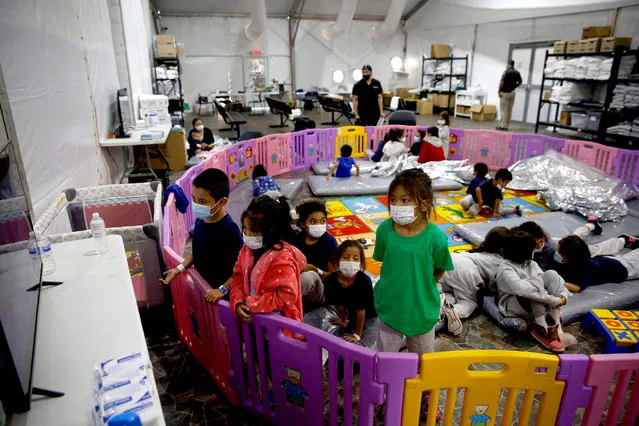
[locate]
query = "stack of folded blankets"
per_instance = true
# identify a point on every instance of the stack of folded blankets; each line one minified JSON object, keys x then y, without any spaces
{"x":585,"y":67}
{"x":626,"y":66}
{"x":628,"y":128}
{"x":625,"y":96}
{"x":570,"y":93}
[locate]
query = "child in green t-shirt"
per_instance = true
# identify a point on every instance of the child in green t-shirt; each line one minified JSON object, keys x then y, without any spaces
{"x":415,"y":256}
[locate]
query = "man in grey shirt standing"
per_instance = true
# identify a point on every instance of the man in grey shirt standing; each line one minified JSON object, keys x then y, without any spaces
{"x":510,"y":80}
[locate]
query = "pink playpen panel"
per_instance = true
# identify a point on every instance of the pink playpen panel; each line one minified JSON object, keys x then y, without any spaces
{"x":626,"y":166}
{"x":376,"y":135}
{"x":525,"y":146}
{"x":186,"y":183}
{"x":172,"y":259}
{"x":598,"y":156}
{"x":295,"y":369}
{"x":216,"y":161}
{"x":274,"y":152}
{"x":119,"y":212}
{"x":487,"y":146}
{"x":601,"y":371}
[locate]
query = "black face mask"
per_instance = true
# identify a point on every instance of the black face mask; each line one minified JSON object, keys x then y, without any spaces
{"x":367,"y":77}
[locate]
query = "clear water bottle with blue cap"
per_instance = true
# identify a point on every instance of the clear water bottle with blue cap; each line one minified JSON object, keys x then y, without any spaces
{"x":98,"y":232}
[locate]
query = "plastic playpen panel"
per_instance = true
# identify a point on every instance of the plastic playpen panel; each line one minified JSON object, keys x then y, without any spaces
{"x":240,"y":161}
{"x":572,"y":370}
{"x":525,"y":146}
{"x":598,"y":156}
{"x":355,"y":136}
{"x":295,"y":369}
{"x":520,"y":370}
{"x":456,"y":140}
{"x":186,"y":183}
{"x":305,"y":148}
{"x":626,"y":166}
{"x":376,"y":135}
{"x":119,"y":212}
{"x":487,"y":146}
{"x":274,"y":152}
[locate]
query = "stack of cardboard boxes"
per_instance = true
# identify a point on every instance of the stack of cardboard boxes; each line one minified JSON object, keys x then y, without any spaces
{"x":165,"y":46}
{"x":593,"y":39}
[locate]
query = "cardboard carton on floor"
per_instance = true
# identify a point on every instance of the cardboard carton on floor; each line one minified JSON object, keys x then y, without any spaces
{"x":559,"y":47}
{"x":439,"y":50}
{"x":572,"y":46}
{"x":591,"y":32}
{"x":483,"y":112}
{"x":403,"y":93}
{"x":425,"y":107}
{"x":608,"y":44}
{"x":589,"y":45}
{"x":174,"y":150}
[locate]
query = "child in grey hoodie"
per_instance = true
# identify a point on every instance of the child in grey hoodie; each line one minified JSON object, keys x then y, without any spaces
{"x":525,"y":290}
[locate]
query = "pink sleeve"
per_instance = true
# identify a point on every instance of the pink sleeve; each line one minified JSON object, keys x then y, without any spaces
{"x":280,"y":290}
{"x":237,"y":283}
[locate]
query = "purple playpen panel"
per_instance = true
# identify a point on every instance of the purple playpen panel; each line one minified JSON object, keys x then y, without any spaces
{"x":601,"y":371}
{"x":456,"y":140}
{"x":186,"y":182}
{"x":572,"y":370}
{"x":595,"y":155}
{"x":296,"y":372}
{"x":325,"y":144}
{"x":240,"y":161}
{"x":523,"y":146}
{"x":171,"y":260}
{"x":626,"y":166}
{"x":392,"y":370}
{"x":298,"y":151}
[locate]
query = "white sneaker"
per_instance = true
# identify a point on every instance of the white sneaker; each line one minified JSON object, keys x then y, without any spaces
{"x":455,"y":326}
{"x":474,"y":209}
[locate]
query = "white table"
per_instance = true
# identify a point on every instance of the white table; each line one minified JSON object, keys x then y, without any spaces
{"x":90,"y":318}
{"x":162,"y":131}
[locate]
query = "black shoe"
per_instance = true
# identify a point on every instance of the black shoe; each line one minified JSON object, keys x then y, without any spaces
{"x":518,"y":211}
{"x":631,"y":242}
{"x":595,"y":221}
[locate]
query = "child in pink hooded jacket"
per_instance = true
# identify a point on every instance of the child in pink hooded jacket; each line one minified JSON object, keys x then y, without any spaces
{"x":266,"y":277}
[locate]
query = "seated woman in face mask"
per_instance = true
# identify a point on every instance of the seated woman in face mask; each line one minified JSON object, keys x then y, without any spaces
{"x":200,"y":138}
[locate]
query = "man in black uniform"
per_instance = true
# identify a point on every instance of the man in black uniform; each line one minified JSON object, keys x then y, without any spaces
{"x":510,"y":80}
{"x":367,"y":98}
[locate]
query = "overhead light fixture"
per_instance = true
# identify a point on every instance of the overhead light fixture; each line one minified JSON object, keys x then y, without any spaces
{"x":288,"y":17}
{"x":396,"y":63}
{"x":357,"y":75}
{"x":338,"y":76}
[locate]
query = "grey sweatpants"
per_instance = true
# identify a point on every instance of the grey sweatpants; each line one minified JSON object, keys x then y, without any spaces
{"x":390,"y":340}
{"x":468,"y":203}
{"x":460,"y":286}
{"x":609,"y":247}
{"x":312,"y":287}
{"x":554,"y":285}
{"x":631,"y":262}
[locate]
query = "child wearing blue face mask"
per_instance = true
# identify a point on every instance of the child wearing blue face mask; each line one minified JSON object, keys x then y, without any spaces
{"x":266,"y":277}
{"x":489,"y":195}
{"x":216,"y":238}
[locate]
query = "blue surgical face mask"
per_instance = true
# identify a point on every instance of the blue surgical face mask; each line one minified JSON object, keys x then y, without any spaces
{"x":416,"y":139}
{"x":558,"y":258}
{"x":200,"y":211}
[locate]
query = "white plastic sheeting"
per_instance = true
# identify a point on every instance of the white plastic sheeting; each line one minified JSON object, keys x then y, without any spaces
{"x":59,"y":69}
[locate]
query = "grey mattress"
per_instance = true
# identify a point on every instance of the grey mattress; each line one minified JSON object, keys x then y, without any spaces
{"x":241,"y":196}
{"x":558,"y":225}
{"x":323,"y":167}
{"x":365,"y":185}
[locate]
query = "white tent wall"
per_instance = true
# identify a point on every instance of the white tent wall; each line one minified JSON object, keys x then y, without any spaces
{"x":138,"y":30}
{"x":494,"y":39}
{"x":215,"y":48}
{"x":59,"y":69}
{"x":316,"y":58}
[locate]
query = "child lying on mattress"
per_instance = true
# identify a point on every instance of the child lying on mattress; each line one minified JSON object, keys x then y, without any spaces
{"x":474,"y":270}
{"x":581,"y":270}
{"x":525,"y":290}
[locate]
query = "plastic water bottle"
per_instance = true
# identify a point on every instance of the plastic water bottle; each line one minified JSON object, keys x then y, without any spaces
{"x":48,"y":264}
{"x":98,"y":232}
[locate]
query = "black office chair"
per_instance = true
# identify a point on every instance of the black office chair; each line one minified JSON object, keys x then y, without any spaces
{"x":333,"y":106}
{"x":232,"y":118}
{"x":402,"y":117}
{"x":254,"y":102}
{"x":281,"y":108}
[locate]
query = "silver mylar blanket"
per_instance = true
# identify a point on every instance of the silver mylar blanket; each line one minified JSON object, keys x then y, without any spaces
{"x":573,"y":186}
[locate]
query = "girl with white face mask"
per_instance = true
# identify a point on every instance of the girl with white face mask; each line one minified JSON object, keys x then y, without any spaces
{"x":318,"y":246}
{"x":350,"y":291}
{"x":415,"y":255}
{"x":266,"y":277}
{"x":443,"y":126}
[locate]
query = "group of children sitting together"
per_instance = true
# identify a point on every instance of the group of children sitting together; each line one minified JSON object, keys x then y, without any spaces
{"x":269,"y":267}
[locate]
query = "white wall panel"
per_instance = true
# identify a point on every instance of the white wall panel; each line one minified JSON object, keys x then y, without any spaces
{"x":138,"y":48}
{"x":628,"y":24}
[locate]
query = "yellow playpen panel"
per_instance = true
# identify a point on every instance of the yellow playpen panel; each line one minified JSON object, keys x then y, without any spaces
{"x":482,"y":389}
{"x":355,"y":136}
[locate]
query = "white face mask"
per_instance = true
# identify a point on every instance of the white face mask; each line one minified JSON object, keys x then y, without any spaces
{"x":316,"y":231}
{"x":349,"y":269}
{"x":199,"y":128}
{"x":403,"y":215}
{"x":441,"y":122}
{"x":403,"y":140}
{"x":499,"y":187}
{"x":254,"y":243}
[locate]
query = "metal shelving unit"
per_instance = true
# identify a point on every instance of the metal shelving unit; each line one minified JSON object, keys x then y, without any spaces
{"x":609,"y":116}
{"x":450,"y":75}
{"x":175,"y":104}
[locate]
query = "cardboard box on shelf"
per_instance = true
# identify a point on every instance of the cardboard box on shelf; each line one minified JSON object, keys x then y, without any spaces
{"x":591,"y":32}
{"x":608,"y":44}
{"x":403,"y":93}
{"x":589,"y":45}
{"x":572,"y":47}
{"x":180,"y":50}
{"x":166,"y":51}
{"x":483,"y":112}
{"x":439,"y":50}
{"x":559,"y":47}
{"x":164,"y":39}
{"x":425,"y":107}
{"x":547,"y":95}
{"x":443,"y":101}
{"x":564,"y":117}
{"x":462,"y":109}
